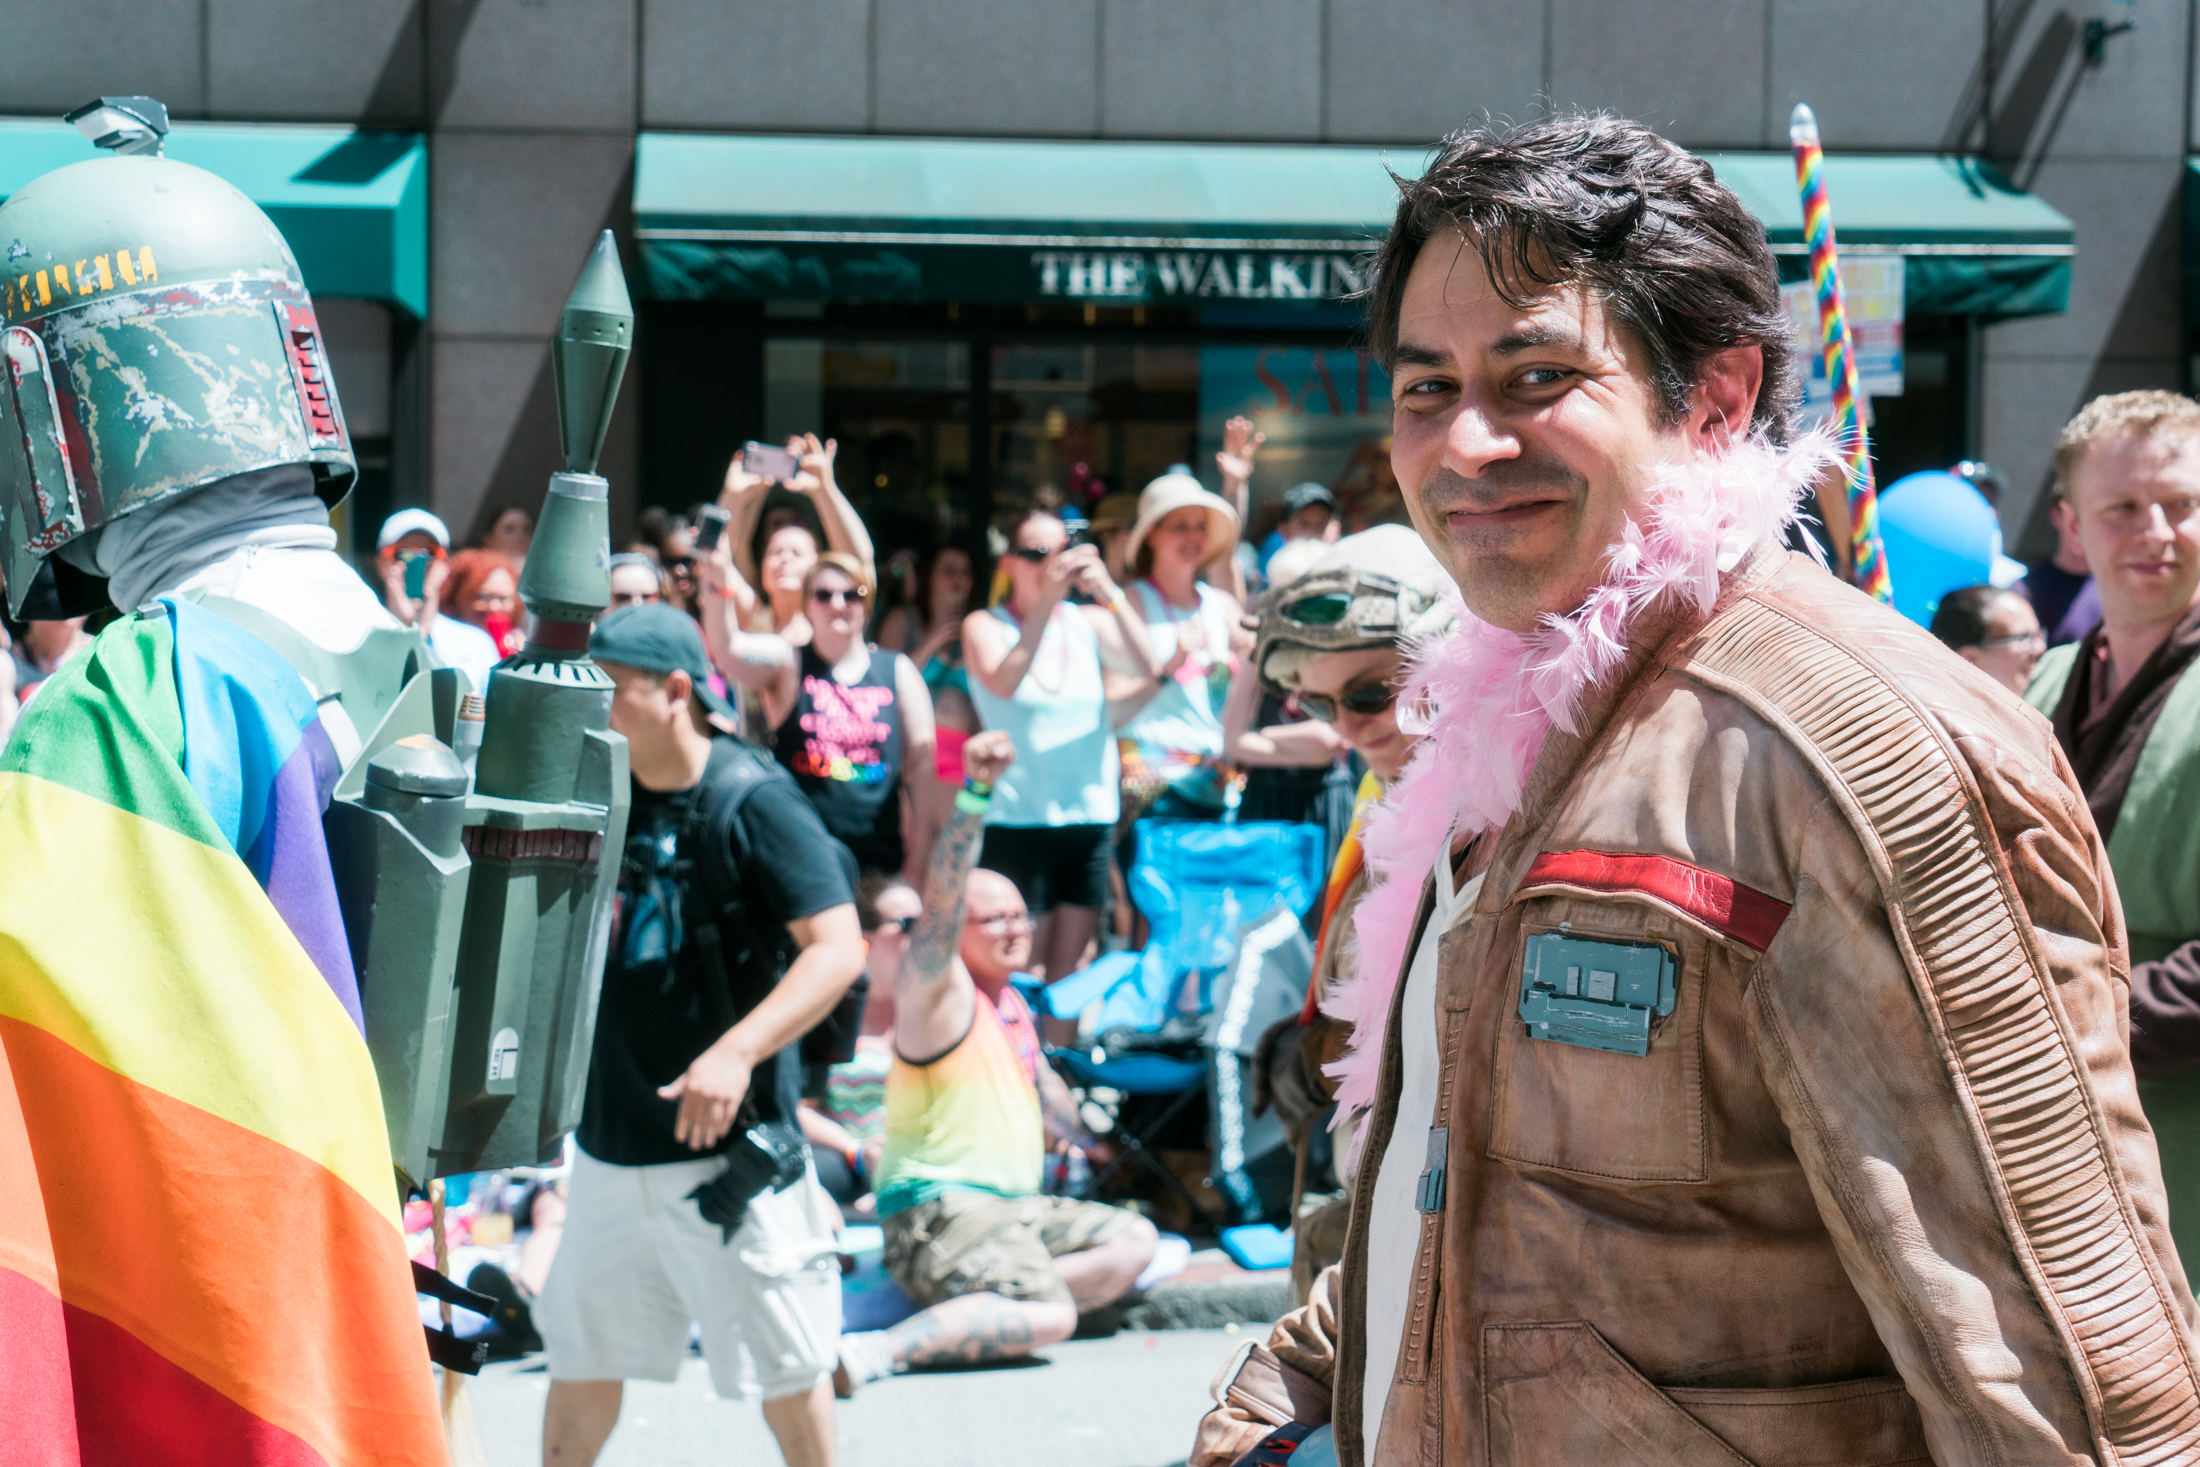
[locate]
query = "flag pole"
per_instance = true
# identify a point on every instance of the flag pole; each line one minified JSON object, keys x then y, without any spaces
{"x":1868,"y":557}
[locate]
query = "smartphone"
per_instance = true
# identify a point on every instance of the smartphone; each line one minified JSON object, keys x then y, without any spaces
{"x":416,"y":573}
{"x":767,"y":462}
{"x":713,"y":526}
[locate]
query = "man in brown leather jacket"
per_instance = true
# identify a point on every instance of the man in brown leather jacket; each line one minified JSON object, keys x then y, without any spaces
{"x":1742,"y":1011}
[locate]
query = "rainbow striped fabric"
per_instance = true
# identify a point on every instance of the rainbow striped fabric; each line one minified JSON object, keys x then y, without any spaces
{"x":199,"y":1250}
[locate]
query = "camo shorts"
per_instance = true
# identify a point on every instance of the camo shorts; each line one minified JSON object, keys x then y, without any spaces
{"x":972,"y":1243}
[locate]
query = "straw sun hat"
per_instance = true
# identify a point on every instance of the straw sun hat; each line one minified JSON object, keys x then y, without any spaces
{"x":1175,"y":491}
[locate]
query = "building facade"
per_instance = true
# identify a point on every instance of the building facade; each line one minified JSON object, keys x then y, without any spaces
{"x":545,"y":121}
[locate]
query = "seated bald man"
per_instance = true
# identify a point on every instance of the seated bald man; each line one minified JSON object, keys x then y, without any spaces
{"x":970,"y":1105}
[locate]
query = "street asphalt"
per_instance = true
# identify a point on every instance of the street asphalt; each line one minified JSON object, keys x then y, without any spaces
{"x":1131,"y":1400}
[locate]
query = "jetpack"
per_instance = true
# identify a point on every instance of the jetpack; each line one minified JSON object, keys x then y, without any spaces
{"x":476,"y":837}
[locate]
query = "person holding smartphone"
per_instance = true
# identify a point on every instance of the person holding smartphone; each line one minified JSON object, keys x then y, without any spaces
{"x":1037,"y":665}
{"x":412,"y":559}
{"x":775,"y":546}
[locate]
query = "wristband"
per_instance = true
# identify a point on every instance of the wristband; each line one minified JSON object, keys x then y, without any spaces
{"x":725,"y":592}
{"x":971,"y":804}
{"x":1117,"y":600}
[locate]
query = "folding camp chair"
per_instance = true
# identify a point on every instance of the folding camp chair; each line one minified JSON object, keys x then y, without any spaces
{"x":1197,"y":883}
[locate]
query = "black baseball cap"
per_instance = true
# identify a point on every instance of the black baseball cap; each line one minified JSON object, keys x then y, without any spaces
{"x":654,"y":637}
{"x":1305,"y":496}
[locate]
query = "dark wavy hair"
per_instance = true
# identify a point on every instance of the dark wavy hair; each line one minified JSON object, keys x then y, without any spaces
{"x":1960,"y":619}
{"x":1589,"y":199}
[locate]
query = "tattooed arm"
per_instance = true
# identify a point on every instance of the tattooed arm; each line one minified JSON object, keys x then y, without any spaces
{"x":933,"y":998}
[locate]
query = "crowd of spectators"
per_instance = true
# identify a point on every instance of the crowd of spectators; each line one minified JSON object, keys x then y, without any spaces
{"x":992,"y":739}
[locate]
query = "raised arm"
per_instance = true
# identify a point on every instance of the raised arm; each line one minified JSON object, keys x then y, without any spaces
{"x":1305,"y":745}
{"x":920,"y":771}
{"x":1124,"y":646}
{"x":844,"y":529}
{"x":997,"y":660}
{"x":1240,"y":446}
{"x":762,"y":661}
{"x":743,"y":497}
{"x":934,"y":997}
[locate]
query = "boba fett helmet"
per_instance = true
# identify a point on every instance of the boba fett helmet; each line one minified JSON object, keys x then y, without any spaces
{"x":158,"y":338}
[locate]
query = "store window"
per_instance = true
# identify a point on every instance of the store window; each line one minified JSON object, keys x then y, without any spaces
{"x":900,"y":413}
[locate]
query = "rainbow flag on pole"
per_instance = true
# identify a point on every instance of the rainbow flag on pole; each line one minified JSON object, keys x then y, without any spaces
{"x":200,"y":1259}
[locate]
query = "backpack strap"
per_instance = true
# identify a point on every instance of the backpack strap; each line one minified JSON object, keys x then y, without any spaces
{"x":711,"y":883}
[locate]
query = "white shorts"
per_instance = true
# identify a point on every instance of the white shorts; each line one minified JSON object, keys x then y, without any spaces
{"x":638,"y":1264}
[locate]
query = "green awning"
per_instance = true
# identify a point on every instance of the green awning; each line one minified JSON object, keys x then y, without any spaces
{"x":781,"y":218}
{"x":354,"y":205}
{"x":1972,"y":243}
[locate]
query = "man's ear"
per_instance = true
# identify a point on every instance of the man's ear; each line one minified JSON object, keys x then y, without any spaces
{"x":1725,"y":398}
{"x":679,"y":688}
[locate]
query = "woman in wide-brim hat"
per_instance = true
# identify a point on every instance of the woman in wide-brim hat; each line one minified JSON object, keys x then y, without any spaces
{"x":1172,"y":743}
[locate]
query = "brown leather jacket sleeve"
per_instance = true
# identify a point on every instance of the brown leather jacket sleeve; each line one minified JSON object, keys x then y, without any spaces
{"x":1286,"y":1379}
{"x":1941,"y":1022}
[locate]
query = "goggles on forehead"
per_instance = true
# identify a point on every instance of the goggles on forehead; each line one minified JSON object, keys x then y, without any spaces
{"x":1329,"y":607}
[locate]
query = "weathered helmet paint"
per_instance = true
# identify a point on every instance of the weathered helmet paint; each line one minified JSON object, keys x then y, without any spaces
{"x":157,"y":338}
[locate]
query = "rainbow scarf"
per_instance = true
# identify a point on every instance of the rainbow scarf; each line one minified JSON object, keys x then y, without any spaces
{"x":199,"y":1250}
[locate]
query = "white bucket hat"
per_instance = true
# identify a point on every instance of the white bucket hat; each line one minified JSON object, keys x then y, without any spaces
{"x":1175,"y":491}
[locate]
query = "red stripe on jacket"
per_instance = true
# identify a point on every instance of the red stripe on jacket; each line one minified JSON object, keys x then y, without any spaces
{"x":1742,"y":913}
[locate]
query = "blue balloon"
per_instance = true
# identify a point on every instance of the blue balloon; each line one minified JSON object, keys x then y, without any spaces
{"x":1940,"y":535}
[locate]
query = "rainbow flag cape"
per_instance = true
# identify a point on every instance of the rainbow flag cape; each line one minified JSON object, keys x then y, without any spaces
{"x":199,"y":1250}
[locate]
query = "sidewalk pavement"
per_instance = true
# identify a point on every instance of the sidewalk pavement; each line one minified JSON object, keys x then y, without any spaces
{"x":1131,"y":1400}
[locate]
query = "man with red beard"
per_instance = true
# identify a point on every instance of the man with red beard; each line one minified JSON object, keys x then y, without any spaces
{"x":1741,"y":998}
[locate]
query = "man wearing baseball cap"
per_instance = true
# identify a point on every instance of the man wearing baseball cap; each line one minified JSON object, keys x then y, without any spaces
{"x":412,"y":560}
{"x":736,"y":935}
{"x":1309,"y":513}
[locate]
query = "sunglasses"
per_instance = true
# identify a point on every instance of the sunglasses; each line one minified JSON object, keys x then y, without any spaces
{"x":902,"y":925}
{"x":1365,"y":701}
{"x":824,"y":596}
{"x":1036,"y":557}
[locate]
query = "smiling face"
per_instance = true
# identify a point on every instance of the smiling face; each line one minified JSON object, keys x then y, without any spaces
{"x":1525,"y":437}
{"x":1375,"y":735}
{"x":1180,"y":539}
{"x":2136,"y":499}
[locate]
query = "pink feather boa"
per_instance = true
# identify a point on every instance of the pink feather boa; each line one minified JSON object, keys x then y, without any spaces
{"x":1485,"y":699}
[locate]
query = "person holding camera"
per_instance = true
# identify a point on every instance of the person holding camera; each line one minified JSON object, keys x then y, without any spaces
{"x":412,"y":560}
{"x":692,"y":1200}
{"x":1036,"y":666}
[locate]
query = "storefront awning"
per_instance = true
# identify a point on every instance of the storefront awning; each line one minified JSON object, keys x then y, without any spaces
{"x":1972,"y":243}
{"x":354,"y":205}
{"x":857,"y":219}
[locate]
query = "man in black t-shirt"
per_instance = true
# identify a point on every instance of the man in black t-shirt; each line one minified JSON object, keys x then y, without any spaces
{"x":681,"y":1041}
